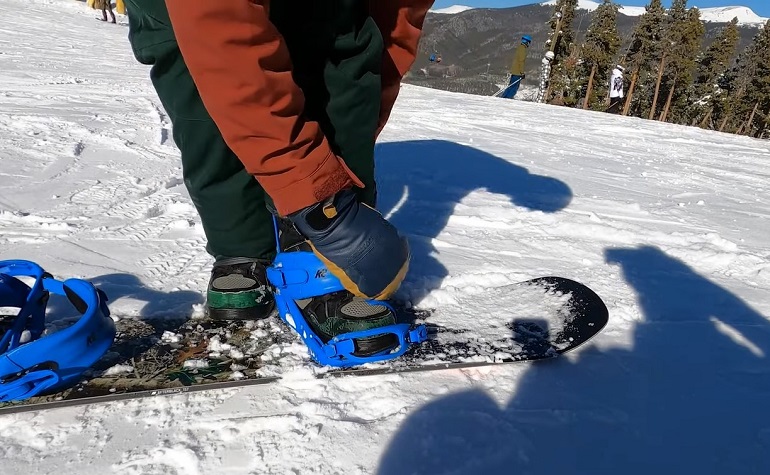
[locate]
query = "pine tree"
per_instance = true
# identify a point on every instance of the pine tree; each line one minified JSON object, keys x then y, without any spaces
{"x":756,"y":97}
{"x":708,"y":96}
{"x":599,"y":51}
{"x":684,"y":33}
{"x":736,"y":84}
{"x":692,"y":43}
{"x":562,"y":44}
{"x":643,"y":57}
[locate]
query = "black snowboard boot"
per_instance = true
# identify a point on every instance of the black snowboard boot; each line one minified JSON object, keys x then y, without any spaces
{"x":340,"y":312}
{"x":238,"y":290}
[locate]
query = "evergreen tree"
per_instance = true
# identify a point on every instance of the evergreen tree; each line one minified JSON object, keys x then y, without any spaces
{"x":684,"y":33}
{"x":562,"y":44}
{"x":735,"y":83}
{"x":708,"y":96}
{"x":755,"y":101}
{"x":599,"y":52}
{"x":644,"y":55}
{"x":692,"y":42}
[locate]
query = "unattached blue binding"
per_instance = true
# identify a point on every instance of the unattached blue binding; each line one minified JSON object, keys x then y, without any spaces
{"x":31,"y":363}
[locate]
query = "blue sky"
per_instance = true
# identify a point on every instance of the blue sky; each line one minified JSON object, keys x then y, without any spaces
{"x":760,"y":7}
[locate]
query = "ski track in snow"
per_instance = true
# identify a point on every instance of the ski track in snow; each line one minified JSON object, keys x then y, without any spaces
{"x":668,"y":224}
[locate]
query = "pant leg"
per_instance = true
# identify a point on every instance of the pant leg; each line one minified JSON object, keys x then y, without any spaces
{"x":336,"y":51}
{"x":615,"y":105}
{"x":230,"y":202}
{"x":513,"y":87}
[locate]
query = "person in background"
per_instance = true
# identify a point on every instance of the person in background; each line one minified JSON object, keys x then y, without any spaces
{"x":517,"y":68}
{"x":545,"y":76}
{"x":107,"y":5}
{"x":616,"y":90}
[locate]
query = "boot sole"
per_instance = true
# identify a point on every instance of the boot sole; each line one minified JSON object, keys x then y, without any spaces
{"x":250,"y":313}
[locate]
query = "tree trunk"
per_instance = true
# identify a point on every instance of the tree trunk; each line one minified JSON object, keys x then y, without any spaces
{"x":657,"y":86}
{"x":554,"y":40}
{"x":590,"y":87}
{"x":747,"y":127}
{"x":664,"y":115}
{"x":728,"y":111}
{"x":556,"y":32}
{"x":724,"y":123}
{"x":634,"y":78}
{"x":707,"y":118}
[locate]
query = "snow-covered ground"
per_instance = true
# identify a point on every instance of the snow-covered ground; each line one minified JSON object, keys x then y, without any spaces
{"x":668,"y":224}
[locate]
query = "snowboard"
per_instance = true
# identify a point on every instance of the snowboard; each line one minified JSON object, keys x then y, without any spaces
{"x":151,"y":358}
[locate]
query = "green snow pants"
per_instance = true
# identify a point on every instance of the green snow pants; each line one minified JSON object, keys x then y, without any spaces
{"x":330,"y":44}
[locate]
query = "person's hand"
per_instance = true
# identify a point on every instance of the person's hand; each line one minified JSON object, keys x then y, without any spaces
{"x":356,"y":243}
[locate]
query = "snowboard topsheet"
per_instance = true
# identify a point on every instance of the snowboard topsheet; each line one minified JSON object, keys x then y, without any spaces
{"x":149,"y":358}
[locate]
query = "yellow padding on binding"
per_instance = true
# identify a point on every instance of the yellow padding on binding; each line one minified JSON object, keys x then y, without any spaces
{"x":353,"y":288}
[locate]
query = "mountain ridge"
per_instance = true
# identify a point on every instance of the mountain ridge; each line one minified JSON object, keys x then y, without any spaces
{"x":745,"y":15}
{"x":476,"y":45}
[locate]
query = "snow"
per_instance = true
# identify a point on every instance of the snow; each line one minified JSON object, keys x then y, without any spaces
{"x":635,"y":11}
{"x":745,"y":15}
{"x":452,"y":9}
{"x":668,"y":224}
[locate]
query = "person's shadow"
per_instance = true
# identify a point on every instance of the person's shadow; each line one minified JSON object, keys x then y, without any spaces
{"x":159,"y":312}
{"x":691,"y":396}
{"x":420,"y":182}
{"x":156,"y":305}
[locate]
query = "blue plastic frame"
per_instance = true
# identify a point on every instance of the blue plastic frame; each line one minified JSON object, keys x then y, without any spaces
{"x":58,"y":360}
{"x":300,"y":275}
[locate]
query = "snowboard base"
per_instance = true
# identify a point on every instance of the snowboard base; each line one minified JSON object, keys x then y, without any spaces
{"x":166,"y":357}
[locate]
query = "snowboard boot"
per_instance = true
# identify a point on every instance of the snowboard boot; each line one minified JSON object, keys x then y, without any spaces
{"x":340,"y":312}
{"x":238,"y":290}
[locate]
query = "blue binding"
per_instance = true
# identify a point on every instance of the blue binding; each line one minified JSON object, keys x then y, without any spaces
{"x":30,"y":363}
{"x":300,"y":275}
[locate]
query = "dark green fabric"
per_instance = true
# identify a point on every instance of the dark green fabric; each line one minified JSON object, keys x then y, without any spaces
{"x":230,"y":202}
{"x":336,"y":50}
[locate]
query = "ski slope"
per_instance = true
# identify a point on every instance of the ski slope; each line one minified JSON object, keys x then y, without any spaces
{"x":668,"y":224}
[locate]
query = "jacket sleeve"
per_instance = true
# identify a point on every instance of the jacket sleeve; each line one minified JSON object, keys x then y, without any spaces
{"x":242,"y":69}
{"x":400,"y":22}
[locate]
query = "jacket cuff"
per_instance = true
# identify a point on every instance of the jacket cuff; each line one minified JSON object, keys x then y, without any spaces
{"x":331,"y":176}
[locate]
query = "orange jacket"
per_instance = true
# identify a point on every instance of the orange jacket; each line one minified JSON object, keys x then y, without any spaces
{"x":241,"y":67}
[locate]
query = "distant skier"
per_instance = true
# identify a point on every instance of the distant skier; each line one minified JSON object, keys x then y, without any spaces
{"x":517,"y":68}
{"x":616,"y":90}
{"x":545,"y":76}
{"x":107,"y":5}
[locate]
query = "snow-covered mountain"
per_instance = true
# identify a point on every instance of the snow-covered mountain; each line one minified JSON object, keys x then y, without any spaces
{"x":452,"y":10}
{"x":745,"y":15}
{"x":664,"y":222}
